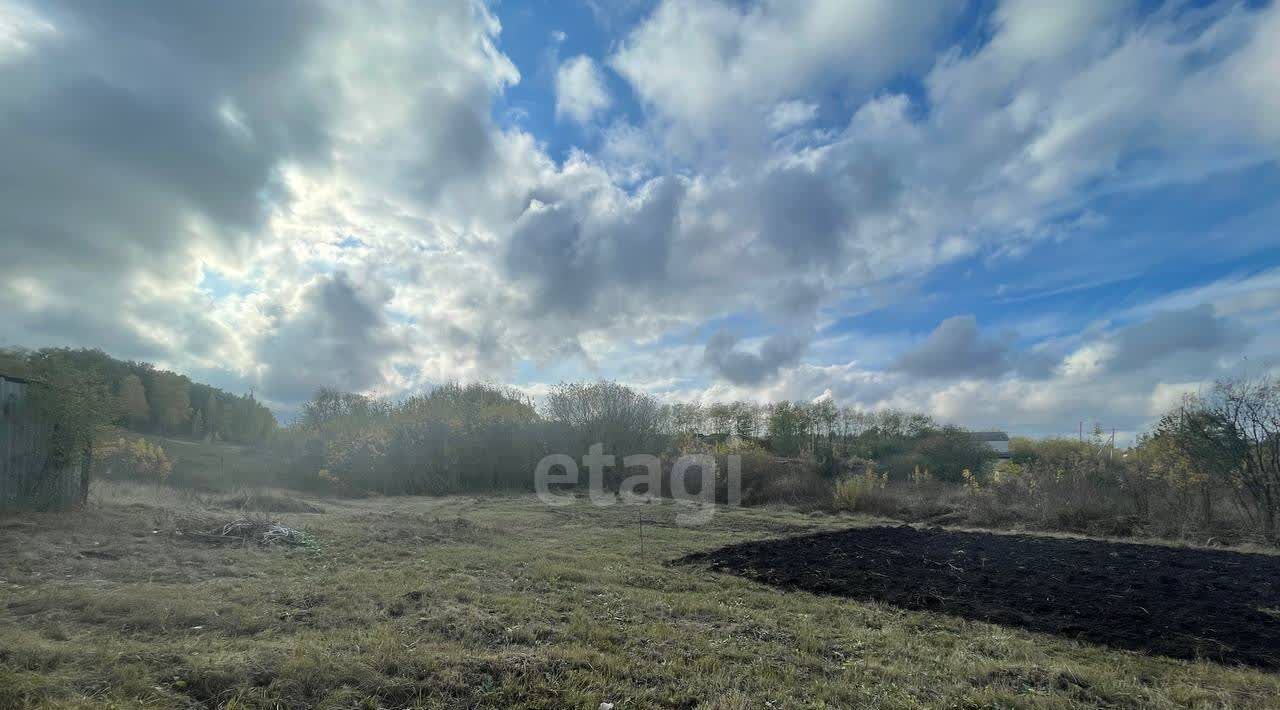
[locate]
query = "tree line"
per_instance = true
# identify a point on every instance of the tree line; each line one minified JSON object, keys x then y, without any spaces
{"x":1215,"y":453}
{"x":143,"y":398}
{"x":1212,"y":464}
{"x":478,"y":437}
{"x":826,"y":431}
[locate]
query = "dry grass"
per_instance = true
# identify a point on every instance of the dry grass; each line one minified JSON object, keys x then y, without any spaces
{"x":502,"y":602}
{"x":217,"y":466}
{"x":268,"y":502}
{"x":994,"y":508}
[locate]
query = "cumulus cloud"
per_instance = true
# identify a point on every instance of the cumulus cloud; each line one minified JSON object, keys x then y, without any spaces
{"x":153,"y":145}
{"x":1197,"y":332}
{"x":580,"y":90}
{"x":809,"y":212}
{"x":572,"y":251}
{"x":956,"y":349}
{"x":138,"y":142}
{"x":283,"y":193}
{"x":789,"y":115}
{"x":743,"y":367}
{"x":1122,"y":377}
{"x":333,"y":335}
{"x":707,"y":62}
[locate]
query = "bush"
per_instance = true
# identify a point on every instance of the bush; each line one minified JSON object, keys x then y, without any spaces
{"x":455,"y":439}
{"x":764,"y":478}
{"x":949,"y":451}
{"x":133,"y":460}
{"x":856,"y":493}
{"x":769,"y":479}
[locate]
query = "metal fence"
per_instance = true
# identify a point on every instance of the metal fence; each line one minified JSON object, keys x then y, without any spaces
{"x":24,"y":482}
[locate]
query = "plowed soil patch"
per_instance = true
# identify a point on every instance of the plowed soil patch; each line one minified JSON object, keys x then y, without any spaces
{"x":1184,"y":603}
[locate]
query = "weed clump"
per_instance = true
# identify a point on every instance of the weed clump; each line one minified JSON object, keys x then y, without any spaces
{"x":855,"y":493}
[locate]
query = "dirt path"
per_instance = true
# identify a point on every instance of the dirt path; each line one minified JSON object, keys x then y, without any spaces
{"x":1184,"y":603}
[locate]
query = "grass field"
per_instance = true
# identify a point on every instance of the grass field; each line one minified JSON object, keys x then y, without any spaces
{"x":501,"y":602}
{"x":209,"y":465}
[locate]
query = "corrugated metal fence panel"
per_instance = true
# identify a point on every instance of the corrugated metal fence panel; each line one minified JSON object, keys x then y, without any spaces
{"x":10,"y":444}
{"x":23,"y":483}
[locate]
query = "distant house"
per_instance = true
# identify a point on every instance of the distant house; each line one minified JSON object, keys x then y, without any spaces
{"x":997,"y":441}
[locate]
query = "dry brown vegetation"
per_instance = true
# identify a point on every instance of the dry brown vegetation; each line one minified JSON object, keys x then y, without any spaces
{"x":500,"y":602}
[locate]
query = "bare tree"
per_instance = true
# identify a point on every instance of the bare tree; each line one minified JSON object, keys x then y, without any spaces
{"x":606,"y":412}
{"x":746,"y":419}
{"x":720,"y":418}
{"x":1235,"y":430}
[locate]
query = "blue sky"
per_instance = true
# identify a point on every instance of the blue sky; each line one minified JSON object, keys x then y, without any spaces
{"x":1008,"y":214}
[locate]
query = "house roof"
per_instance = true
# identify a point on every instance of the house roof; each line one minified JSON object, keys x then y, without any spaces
{"x":989,"y":436}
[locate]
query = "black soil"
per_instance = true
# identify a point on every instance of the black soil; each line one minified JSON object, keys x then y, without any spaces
{"x":1184,"y":603}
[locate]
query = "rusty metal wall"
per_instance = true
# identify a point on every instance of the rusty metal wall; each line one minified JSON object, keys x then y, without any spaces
{"x":22,"y":460}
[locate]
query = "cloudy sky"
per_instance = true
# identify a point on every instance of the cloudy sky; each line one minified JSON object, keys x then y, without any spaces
{"x":1009,"y":214}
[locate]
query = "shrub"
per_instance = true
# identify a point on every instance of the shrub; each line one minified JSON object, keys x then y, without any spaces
{"x":783,"y":481}
{"x":458,"y":438}
{"x":765,"y":478}
{"x":950,"y":451}
{"x":920,"y":477}
{"x":855,"y":493}
{"x":134,"y":460}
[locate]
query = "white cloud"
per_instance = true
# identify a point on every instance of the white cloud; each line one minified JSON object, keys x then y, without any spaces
{"x":705,"y":64}
{"x":580,"y":90}
{"x":20,"y":29}
{"x":256,"y":151}
{"x":790,"y":115}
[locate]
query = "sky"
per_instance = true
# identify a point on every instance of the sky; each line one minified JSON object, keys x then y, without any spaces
{"x":1009,"y":214}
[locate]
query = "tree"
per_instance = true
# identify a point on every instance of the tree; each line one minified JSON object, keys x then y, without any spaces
{"x":787,"y":428}
{"x":1160,"y":457}
{"x":825,"y":414}
{"x":329,"y":405}
{"x":72,"y":395}
{"x":1185,"y":448}
{"x":197,"y":425}
{"x":1235,"y":430}
{"x":170,"y":396}
{"x":131,"y":400}
{"x":624,"y":420}
{"x":853,"y":424}
{"x":688,"y":418}
{"x":720,"y":418}
{"x":211,"y":416}
{"x":746,"y":419}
